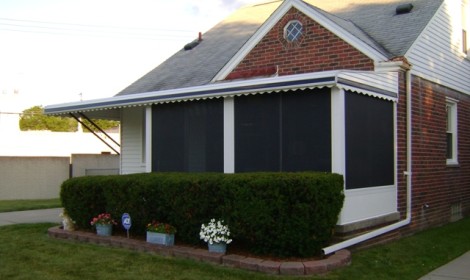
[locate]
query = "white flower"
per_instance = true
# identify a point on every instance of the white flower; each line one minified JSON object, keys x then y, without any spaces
{"x":215,"y":232}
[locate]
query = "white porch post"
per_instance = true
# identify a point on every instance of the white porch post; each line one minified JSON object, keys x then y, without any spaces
{"x":229,"y":135}
{"x":148,"y":139}
{"x":338,"y":136}
{"x":338,"y":130}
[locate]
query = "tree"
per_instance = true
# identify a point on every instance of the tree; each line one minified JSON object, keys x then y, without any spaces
{"x":34,"y":119}
{"x":103,"y":124}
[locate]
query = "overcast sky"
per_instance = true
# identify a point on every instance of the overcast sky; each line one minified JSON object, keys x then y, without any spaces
{"x":51,"y":51}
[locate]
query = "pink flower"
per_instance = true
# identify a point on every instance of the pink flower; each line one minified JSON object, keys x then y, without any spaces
{"x":103,"y":219}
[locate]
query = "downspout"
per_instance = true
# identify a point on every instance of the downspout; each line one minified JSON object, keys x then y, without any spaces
{"x":407,"y":173}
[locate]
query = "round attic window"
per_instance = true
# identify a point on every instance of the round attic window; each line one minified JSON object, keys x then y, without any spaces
{"x":293,"y":31}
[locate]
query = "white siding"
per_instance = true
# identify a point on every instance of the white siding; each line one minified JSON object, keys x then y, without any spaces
{"x":132,"y":159}
{"x":437,"y":54}
{"x":386,"y":81}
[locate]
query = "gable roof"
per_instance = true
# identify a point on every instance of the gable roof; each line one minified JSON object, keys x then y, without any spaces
{"x":373,"y":22}
{"x":351,"y":28}
{"x":198,"y":66}
{"x":343,"y":29}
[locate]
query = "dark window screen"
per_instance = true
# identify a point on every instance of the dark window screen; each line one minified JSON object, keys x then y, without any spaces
{"x":283,"y":132}
{"x":369,"y":142}
{"x":306,"y":131}
{"x":257,"y":140}
{"x":188,"y":136}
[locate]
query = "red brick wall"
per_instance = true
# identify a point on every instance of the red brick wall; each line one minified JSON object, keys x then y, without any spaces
{"x":436,"y":185}
{"x":318,"y":50}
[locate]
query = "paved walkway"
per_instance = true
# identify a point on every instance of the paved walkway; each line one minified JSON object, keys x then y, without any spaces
{"x":458,"y":269}
{"x":32,"y":216}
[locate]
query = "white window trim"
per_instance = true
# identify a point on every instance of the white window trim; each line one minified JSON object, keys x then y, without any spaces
{"x":452,"y":104}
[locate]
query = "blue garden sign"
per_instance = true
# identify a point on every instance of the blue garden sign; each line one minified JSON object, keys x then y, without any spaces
{"x":126,"y":222}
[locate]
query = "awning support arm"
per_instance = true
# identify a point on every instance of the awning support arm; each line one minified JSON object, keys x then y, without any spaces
{"x":99,"y":128}
{"x":94,"y":133}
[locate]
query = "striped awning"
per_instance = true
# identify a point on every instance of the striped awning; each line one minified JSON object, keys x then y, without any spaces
{"x":379,"y":85}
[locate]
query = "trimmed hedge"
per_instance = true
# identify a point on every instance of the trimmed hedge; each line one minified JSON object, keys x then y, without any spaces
{"x":279,"y":214}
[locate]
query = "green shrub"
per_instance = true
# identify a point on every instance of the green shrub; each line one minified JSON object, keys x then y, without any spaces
{"x":280,"y":214}
{"x":83,"y":198}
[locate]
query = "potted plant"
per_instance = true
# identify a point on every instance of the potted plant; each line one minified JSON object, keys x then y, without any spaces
{"x":161,"y":233}
{"x":104,"y":224}
{"x":217,"y":236}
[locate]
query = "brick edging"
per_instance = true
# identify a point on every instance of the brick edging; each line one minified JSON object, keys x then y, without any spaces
{"x":339,"y":259}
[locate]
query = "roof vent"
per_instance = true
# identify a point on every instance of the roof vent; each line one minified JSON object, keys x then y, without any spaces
{"x":191,"y":45}
{"x":194,"y":43}
{"x":404,"y":8}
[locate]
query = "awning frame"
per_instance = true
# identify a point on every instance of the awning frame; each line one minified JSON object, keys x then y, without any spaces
{"x":379,"y":85}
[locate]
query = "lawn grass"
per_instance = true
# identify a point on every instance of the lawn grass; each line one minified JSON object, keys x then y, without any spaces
{"x":411,"y":257}
{"x":26,"y":252}
{"x":21,"y":205}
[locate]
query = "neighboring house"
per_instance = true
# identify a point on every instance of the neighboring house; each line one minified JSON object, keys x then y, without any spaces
{"x":376,"y":90}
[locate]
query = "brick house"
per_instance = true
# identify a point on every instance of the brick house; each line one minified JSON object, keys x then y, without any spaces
{"x":376,"y":90}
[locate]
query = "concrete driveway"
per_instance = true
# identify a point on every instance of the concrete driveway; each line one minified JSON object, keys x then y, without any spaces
{"x":31,"y":216}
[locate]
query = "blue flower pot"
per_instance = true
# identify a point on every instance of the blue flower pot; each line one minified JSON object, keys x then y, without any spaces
{"x":104,"y":230}
{"x":217,"y":247}
{"x":160,"y":238}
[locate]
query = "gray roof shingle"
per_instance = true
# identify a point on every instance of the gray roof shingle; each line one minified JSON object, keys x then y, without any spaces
{"x":395,"y":33}
{"x":199,"y":65}
{"x":372,"y":21}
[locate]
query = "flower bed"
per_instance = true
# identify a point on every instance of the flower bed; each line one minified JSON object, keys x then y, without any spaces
{"x":305,"y":267}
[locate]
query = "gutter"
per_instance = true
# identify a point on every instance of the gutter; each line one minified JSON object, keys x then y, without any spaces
{"x":408,"y":173}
